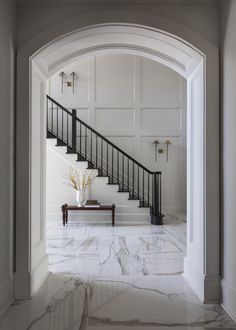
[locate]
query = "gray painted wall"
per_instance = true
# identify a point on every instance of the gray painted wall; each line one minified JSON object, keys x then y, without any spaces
{"x":33,"y":19}
{"x":7,"y":41}
{"x":228,"y":66}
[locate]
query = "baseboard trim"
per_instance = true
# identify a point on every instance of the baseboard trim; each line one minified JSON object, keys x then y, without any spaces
{"x":39,"y":274}
{"x":206,"y":287}
{"x":22,"y":284}
{"x":229,"y":299}
{"x":6,"y":297}
{"x":27,"y":283}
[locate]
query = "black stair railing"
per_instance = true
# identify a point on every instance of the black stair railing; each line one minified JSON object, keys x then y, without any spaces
{"x":100,"y":153}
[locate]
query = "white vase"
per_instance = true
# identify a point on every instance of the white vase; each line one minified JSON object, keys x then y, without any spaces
{"x":80,"y":197}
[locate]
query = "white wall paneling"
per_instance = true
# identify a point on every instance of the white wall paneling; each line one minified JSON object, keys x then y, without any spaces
{"x":133,"y":101}
{"x":38,"y":183}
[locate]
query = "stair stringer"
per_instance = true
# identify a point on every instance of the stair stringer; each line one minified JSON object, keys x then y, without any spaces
{"x":127,"y":211}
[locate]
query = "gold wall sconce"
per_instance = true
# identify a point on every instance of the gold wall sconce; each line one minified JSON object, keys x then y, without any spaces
{"x":68,"y":80}
{"x":162,"y":147}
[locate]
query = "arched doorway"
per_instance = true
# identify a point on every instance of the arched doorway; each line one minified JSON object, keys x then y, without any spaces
{"x":202,"y":261}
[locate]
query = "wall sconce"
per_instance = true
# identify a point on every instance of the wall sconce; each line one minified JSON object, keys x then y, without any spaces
{"x":69,"y":83}
{"x":161,"y":147}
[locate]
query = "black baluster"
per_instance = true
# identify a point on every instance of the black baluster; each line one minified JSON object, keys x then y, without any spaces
{"x":138,"y":181}
{"x":133,"y":178}
{"x":148,"y":189}
{"x":67,"y":128}
{"x":96,"y":151}
{"x":52,"y":118}
{"x":47,"y":115}
{"x":118,"y":156}
{"x":112,"y":158}
{"x":91,"y":147}
{"x":107,"y":159}
{"x":143,"y":187}
{"x":102,"y":157}
{"x":128,"y":172}
{"x":57,"y":121}
{"x":123,"y":173}
{"x":73,"y":130}
{"x":86,"y":143}
{"x":62,"y":125}
{"x":80,"y":139}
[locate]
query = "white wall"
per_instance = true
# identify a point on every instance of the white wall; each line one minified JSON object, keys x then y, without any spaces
{"x":7,"y":42}
{"x":133,"y":101}
{"x":228,"y":66}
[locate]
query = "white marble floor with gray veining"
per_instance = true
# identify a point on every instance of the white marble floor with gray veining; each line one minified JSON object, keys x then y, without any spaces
{"x":101,"y":249}
{"x":122,"y":278}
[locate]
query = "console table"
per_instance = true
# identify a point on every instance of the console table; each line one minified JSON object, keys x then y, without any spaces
{"x":65,"y":208}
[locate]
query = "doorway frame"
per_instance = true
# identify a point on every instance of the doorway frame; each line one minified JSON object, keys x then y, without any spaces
{"x":201,"y":265}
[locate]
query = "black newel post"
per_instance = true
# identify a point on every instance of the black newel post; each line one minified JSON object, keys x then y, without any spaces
{"x":156,"y":215}
{"x":73,"y":148}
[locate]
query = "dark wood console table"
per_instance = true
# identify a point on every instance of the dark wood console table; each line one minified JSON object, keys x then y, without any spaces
{"x":65,"y":208}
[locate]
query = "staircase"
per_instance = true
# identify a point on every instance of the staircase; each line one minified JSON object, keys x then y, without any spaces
{"x":90,"y":146}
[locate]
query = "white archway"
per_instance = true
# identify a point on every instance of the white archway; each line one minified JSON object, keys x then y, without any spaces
{"x":202,"y":261}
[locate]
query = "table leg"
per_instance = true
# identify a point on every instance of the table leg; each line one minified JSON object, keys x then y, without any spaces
{"x":63,"y":216}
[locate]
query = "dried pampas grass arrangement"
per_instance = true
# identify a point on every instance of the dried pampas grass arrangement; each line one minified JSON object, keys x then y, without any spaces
{"x":79,"y":180}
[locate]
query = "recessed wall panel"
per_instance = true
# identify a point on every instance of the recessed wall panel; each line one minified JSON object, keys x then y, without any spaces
{"x":114,"y":119}
{"x":159,"y":84}
{"x":114,"y":79}
{"x":156,"y":119}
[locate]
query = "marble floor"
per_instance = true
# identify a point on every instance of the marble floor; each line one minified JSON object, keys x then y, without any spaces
{"x":122,"y":278}
{"x":103,"y":250}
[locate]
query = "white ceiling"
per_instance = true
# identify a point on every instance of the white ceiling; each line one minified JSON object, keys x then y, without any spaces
{"x":117,"y":2}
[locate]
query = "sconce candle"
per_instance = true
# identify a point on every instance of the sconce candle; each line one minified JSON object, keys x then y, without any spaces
{"x":62,"y":74}
{"x":73,"y":75}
